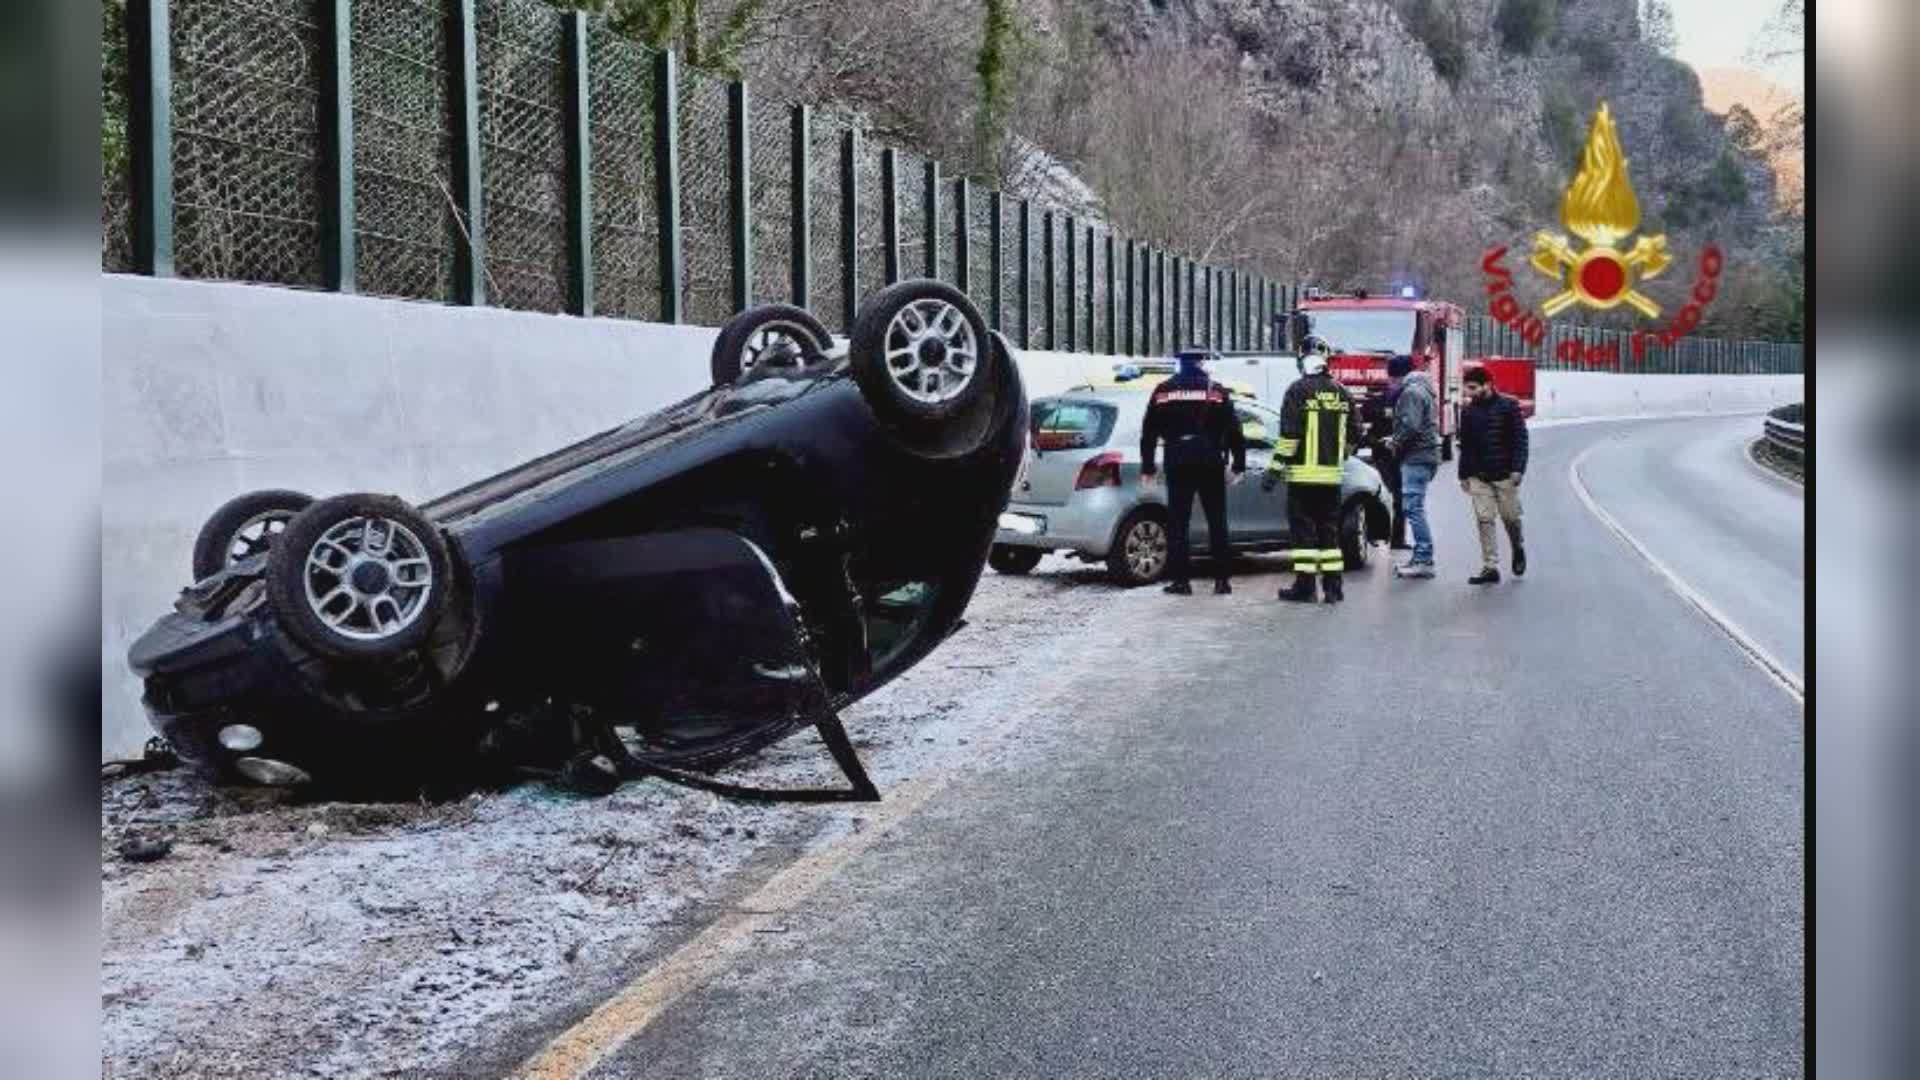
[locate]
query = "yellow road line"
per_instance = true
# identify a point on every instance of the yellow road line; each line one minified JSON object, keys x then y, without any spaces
{"x":576,"y":1051}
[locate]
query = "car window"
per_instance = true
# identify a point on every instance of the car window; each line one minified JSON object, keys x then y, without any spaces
{"x":1071,"y":425}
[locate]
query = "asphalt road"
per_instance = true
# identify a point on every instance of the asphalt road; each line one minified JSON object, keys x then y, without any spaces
{"x":1689,"y":493}
{"x":1550,"y":828}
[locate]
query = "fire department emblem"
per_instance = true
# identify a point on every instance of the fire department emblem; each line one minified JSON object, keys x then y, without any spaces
{"x":1600,"y":208}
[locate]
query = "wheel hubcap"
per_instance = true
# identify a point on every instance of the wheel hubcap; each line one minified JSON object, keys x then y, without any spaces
{"x":368,"y":578}
{"x":776,"y":344}
{"x":1147,"y":549}
{"x":931,"y":351}
{"x":256,"y":534}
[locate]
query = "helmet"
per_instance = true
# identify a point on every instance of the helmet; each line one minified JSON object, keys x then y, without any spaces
{"x":1313,"y":355}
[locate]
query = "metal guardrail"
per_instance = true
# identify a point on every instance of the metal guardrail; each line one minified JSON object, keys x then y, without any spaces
{"x":1786,"y":431}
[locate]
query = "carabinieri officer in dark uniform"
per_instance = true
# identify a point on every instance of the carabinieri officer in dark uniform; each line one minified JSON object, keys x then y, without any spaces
{"x":1194,"y":416}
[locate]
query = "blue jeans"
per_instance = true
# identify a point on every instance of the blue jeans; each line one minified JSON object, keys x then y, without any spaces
{"x":1414,"y":479}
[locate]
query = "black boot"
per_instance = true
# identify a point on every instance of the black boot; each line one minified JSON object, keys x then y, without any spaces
{"x":1301,"y":591}
{"x":1221,"y":587}
{"x":1519,"y":550}
{"x":1332,"y":586}
{"x":1178,"y":588}
{"x":1489,"y":576}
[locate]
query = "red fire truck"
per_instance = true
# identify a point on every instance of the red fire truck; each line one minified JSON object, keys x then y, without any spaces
{"x":1365,"y":331}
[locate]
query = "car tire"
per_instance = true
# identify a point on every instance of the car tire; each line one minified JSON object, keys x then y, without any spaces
{"x":359,"y":577}
{"x":924,"y":361}
{"x":1355,"y":550}
{"x":252,"y":520}
{"x":747,"y":336}
{"x":1139,"y":553}
{"x":1007,"y":559}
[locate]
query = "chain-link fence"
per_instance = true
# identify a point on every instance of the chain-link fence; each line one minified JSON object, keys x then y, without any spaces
{"x":246,"y":162}
{"x":259,"y":112}
{"x":405,"y":229}
{"x":523,"y":147}
{"x":626,"y":231}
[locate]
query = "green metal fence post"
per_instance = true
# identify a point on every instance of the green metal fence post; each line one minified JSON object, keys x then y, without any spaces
{"x":579,"y":170}
{"x":1073,"y":290}
{"x":470,"y":252}
{"x":1091,"y":343}
{"x":849,"y":227}
{"x":1159,"y":302}
{"x":963,"y":235}
{"x":150,"y":134}
{"x":740,"y":179}
{"x":666,"y":172}
{"x":1113,"y":323}
{"x":930,"y":208}
{"x":1133,"y":301}
{"x":996,"y":317}
{"x":1026,"y":274}
{"x":799,"y":160}
{"x":1047,"y":281}
{"x":1177,"y":341}
{"x":890,"y":212}
{"x":336,"y":146}
{"x":1233,"y":309}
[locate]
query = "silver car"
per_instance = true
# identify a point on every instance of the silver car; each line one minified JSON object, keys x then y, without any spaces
{"x":1080,"y":491}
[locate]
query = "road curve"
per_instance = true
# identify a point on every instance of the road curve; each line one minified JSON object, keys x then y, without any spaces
{"x":1549,"y":828}
{"x":1688,"y":492}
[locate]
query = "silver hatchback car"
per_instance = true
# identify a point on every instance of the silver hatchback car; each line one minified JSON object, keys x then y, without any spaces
{"x":1080,"y":491}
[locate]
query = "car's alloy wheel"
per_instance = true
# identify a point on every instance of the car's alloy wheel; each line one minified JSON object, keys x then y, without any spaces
{"x":928,"y":367}
{"x":776,"y":344}
{"x":369,"y":578}
{"x":1140,"y":554}
{"x":360,"y":577}
{"x":244,"y":527}
{"x":932,"y":352}
{"x":766,"y":337}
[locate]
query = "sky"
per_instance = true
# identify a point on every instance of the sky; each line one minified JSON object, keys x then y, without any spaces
{"x":1717,"y":33}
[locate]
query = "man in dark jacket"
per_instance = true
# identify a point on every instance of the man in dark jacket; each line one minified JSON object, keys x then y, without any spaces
{"x":1194,"y":416}
{"x":1493,"y":459}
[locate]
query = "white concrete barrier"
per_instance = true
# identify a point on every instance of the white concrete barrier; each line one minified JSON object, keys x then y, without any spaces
{"x":211,"y":390}
{"x":1567,"y":395}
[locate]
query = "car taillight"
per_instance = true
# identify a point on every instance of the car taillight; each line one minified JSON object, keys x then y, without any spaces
{"x":1099,"y":471}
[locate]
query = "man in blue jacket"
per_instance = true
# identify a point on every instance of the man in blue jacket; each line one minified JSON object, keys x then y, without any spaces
{"x":1415,"y":443}
{"x":1493,"y":460}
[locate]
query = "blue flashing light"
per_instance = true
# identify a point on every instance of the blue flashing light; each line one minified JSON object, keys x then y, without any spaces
{"x":1408,"y":292}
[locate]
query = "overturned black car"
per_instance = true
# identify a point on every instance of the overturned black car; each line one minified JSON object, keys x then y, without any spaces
{"x":658,"y":599}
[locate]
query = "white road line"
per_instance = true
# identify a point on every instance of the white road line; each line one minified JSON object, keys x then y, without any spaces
{"x":1779,"y":672}
{"x":584,"y":1046}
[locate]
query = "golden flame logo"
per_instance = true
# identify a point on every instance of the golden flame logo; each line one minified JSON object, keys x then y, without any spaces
{"x":1600,"y":208}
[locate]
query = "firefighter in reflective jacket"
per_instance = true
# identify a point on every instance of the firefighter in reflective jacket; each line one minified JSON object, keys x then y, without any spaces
{"x":1317,"y":432}
{"x":1194,"y":416}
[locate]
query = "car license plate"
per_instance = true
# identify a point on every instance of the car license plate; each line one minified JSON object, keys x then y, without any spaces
{"x":1024,"y":524}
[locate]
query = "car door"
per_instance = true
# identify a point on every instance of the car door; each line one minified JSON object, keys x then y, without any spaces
{"x":1253,"y":515}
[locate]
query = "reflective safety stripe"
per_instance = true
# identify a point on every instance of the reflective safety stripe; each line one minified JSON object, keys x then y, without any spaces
{"x":1312,"y":457}
{"x":1284,"y":448}
{"x":1310,"y":557}
{"x":1333,"y":566}
{"x":1314,"y":474}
